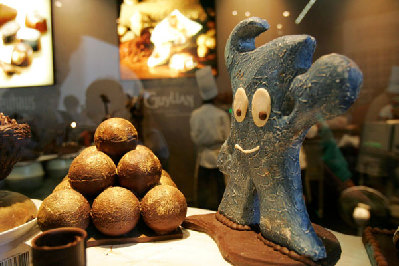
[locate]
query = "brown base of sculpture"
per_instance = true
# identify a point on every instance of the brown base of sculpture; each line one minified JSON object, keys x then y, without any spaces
{"x":243,"y":247}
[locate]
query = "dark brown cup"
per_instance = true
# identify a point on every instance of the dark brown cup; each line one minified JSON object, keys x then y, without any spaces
{"x":60,"y":246}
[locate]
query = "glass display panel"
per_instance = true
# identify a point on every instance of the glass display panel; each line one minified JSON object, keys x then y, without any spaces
{"x":166,"y":39}
{"x":26,"y":45}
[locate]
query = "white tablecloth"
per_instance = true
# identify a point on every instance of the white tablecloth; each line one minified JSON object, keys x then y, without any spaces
{"x":198,"y":249}
{"x":194,"y":249}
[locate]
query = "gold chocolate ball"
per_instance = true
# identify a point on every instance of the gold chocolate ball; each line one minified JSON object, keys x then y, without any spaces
{"x":163,"y":209}
{"x":139,"y":170}
{"x":115,"y":211}
{"x":64,"y":208}
{"x":91,"y":172}
{"x":115,"y":137}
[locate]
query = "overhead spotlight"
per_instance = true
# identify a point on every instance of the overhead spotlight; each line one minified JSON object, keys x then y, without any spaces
{"x":286,"y":13}
{"x":247,"y":13}
{"x":304,"y":11}
{"x":73,"y":125}
{"x":234,"y":12}
{"x":279,"y":26}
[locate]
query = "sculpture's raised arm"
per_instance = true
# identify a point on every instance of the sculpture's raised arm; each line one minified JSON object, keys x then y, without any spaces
{"x":327,"y":89}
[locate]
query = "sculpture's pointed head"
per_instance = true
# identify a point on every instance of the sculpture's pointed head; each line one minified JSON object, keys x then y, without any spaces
{"x":260,"y":77}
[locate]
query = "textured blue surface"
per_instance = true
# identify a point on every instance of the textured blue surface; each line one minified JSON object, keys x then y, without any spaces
{"x":265,"y":185}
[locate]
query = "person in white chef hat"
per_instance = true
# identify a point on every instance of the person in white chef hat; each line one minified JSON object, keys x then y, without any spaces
{"x":209,"y":128}
{"x":386,"y":105}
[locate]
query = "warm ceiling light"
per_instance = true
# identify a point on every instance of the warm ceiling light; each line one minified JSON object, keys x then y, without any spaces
{"x":234,"y":12}
{"x":286,"y":14}
{"x":58,"y":3}
{"x":247,"y":13}
{"x":73,"y":125}
{"x":279,"y":26}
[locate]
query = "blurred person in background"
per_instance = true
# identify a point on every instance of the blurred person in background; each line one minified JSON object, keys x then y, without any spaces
{"x":209,"y":128}
{"x":386,"y":105}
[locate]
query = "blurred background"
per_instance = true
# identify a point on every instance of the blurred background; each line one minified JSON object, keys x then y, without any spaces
{"x":350,"y":167}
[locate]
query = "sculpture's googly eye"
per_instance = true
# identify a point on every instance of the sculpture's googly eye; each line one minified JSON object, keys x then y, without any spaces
{"x":261,"y":107}
{"x":240,"y":105}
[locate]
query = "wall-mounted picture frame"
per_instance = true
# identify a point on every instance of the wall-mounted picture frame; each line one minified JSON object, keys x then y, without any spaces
{"x":26,"y":45}
{"x":166,"y":39}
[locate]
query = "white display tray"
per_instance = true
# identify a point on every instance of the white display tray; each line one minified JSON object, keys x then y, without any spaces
{"x":16,"y":232}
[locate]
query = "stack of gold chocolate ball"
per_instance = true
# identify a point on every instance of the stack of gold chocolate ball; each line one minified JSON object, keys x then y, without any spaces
{"x":123,"y":180}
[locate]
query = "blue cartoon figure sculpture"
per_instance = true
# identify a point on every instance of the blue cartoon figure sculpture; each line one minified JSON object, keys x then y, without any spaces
{"x":278,"y":95}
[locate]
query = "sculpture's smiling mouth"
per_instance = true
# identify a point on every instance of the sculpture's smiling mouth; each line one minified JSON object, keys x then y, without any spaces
{"x":238,"y":147}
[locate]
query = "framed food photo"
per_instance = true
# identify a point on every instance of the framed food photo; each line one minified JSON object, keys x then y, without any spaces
{"x":166,"y":38}
{"x":26,"y":45}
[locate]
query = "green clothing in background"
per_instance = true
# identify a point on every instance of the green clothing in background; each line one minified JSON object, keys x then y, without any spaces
{"x":332,"y":155}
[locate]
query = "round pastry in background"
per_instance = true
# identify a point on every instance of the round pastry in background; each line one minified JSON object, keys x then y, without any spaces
{"x":166,"y":179}
{"x":115,"y":211}
{"x":9,"y":31}
{"x":64,"y":208}
{"x":31,"y":37}
{"x":26,"y":176}
{"x":35,"y":21}
{"x":64,"y":184}
{"x":57,"y":168}
{"x":163,"y":209}
{"x":21,"y":55}
{"x":139,"y":170}
{"x":15,"y":209}
{"x":115,"y":137}
{"x":91,"y":172}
